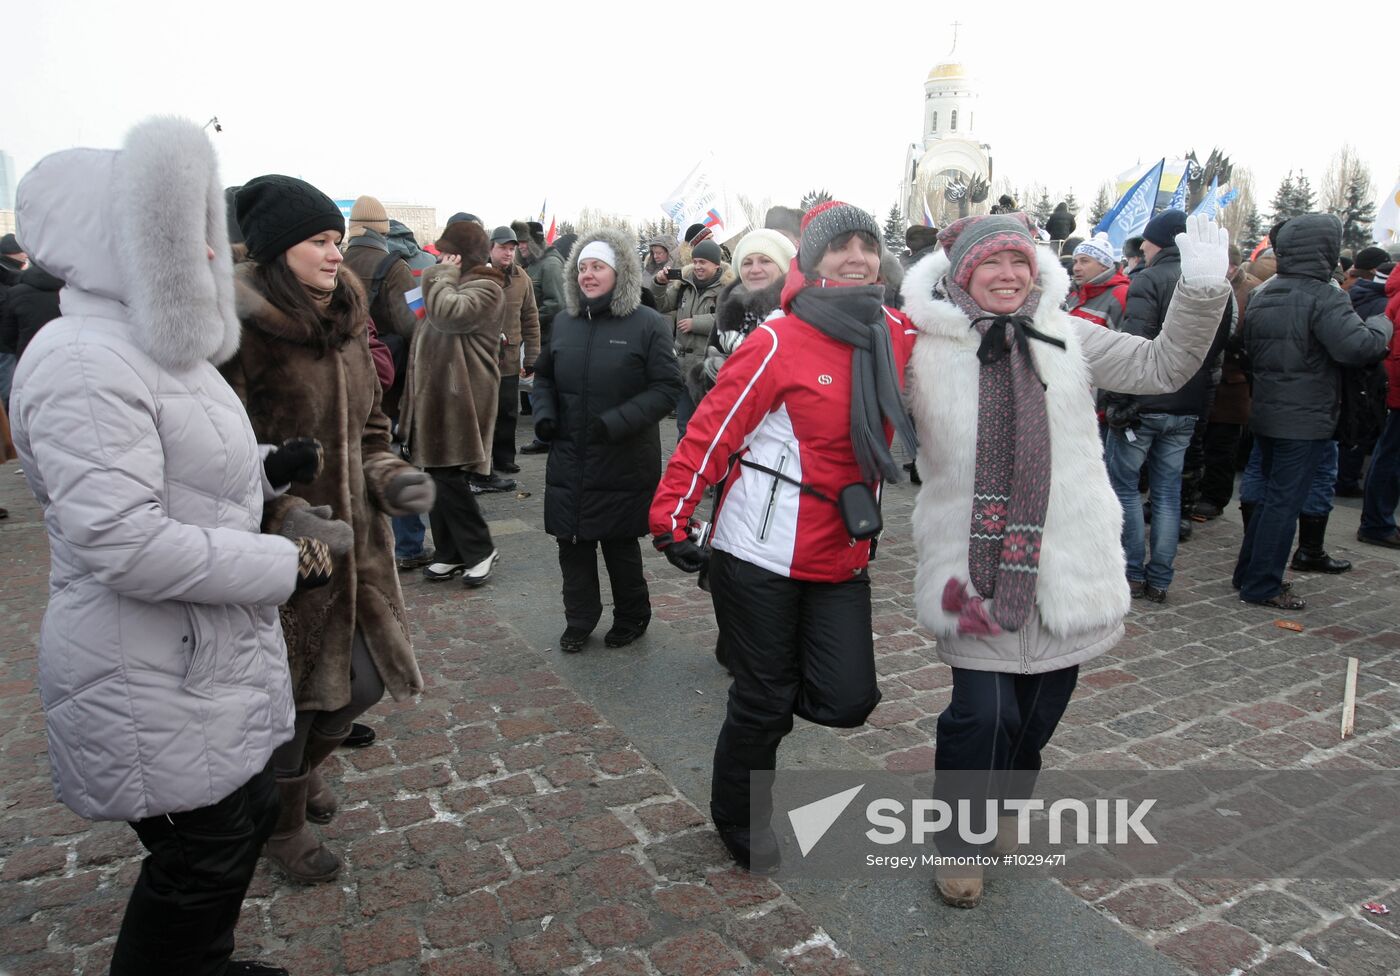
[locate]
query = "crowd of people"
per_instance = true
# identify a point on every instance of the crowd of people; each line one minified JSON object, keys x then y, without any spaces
{"x":235,"y":457}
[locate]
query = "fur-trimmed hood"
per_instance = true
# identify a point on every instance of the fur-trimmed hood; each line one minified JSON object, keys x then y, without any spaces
{"x":927,"y":303}
{"x":627,"y":293}
{"x":126,"y":231}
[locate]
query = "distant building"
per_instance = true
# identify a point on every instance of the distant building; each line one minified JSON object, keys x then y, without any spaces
{"x":950,"y":155}
{"x":421,"y":220}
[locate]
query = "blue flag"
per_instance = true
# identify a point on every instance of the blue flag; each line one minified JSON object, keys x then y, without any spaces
{"x":1133,"y":210}
{"x":1178,"y":200}
{"x":1210,"y":203}
{"x":1227,"y":198}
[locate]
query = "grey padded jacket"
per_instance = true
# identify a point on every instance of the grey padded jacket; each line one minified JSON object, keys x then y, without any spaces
{"x":162,"y":667}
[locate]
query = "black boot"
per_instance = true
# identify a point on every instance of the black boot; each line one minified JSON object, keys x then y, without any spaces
{"x":1247,"y":512}
{"x":1311,"y":557}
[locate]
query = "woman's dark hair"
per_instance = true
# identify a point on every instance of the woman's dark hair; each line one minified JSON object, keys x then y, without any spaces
{"x":338,"y":318}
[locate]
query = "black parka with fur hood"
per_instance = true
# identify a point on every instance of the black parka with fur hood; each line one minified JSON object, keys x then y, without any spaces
{"x":614,"y":364}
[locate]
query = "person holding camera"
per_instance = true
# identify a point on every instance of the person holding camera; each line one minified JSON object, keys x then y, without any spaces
{"x":798,"y":428}
{"x":691,"y":299}
{"x":1021,"y":572}
{"x":602,"y":385}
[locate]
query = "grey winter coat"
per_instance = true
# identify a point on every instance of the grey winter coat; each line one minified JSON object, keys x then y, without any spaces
{"x":162,"y":667}
{"x":1300,"y":331}
{"x":685,"y":300}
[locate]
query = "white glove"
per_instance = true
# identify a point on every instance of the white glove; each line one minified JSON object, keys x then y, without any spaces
{"x":1205,"y":250}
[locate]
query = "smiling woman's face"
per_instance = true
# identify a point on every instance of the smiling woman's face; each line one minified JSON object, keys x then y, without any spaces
{"x":855,"y":260}
{"x":1001,"y":283}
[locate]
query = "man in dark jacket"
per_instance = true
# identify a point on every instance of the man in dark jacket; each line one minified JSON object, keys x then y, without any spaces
{"x":12,"y":261}
{"x":547,"y":277}
{"x":1302,"y":330}
{"x":1363,"y":390}
{"x":29,"y":306}
{"x":1155,"y":431}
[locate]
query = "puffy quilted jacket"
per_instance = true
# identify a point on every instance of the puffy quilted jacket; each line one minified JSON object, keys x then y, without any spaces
{"x":161,"y":661}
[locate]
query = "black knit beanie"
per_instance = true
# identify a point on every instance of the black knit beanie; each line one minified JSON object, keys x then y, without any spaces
{"x":279,"y":212}
{"x":824,"y":223}
{"x":708,"y":251}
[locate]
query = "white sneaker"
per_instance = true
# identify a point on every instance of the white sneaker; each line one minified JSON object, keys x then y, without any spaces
{"x":442,"y":571}
{"x":481,"y":572}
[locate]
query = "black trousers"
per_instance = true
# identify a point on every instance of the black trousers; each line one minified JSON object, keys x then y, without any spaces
{"x":1222,"y":443}
{"x":795,"y":648}
{"x":583,"y":601}
{"x":185,"y":904}
{"x":507,"y":410}
{"x":990,"y":737}
{"x":460,"y":534}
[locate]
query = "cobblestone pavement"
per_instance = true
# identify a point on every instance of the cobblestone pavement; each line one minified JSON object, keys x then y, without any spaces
{"x":503,"y":825}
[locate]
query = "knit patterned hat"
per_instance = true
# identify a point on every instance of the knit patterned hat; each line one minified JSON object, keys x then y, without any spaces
{"x":368,"y":213}
{"x":971,"y":240}
{"x":278,"y":212}
{"x":824,"y":223}
{"x":1097,"y":248}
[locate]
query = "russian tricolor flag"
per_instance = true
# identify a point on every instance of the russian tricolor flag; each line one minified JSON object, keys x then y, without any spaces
{"x":712,"y":219}
{"x":414,"y":297}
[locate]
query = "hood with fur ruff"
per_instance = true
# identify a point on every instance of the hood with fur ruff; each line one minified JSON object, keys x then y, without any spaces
{"x":126,"y":231}
{"x":627,"y":293}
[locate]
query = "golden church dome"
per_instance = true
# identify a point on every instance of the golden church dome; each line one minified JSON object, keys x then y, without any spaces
{"x":949,"y":69}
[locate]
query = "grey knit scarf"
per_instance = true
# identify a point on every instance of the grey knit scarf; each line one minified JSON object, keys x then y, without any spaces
{"x":856,"y":316}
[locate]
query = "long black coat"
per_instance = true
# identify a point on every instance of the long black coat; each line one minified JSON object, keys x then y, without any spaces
{"x":622,"y":370}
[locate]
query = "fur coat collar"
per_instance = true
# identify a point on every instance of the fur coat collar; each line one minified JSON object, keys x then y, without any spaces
{"x":257,"y":311}
{"x":1082,"y":593}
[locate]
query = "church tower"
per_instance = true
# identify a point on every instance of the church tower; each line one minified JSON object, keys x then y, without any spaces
{"x":947,"y":173}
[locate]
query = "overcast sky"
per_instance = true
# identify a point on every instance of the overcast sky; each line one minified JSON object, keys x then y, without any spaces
{"x":493,"y":107}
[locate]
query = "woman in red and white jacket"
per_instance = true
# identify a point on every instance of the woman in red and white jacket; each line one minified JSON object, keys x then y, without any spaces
{"x":804,"y":408}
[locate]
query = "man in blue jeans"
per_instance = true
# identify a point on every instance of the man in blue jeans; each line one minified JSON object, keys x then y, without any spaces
{"x":1383,"y":483}
{"x":1159,"y":442}
{"x":1154,"y":431}
{"x":1299,"y":332}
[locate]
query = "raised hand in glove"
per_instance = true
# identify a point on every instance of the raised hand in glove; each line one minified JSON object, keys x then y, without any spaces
{"x":546,"y":430}
{"x":411,"y":492}
{"x":297,"y":460}
{"x":685,"y":556}
{"x":313,"y":564}
{"x":1205,"y":250}
{"x":318,"y":522}
{"x":597,"y":431}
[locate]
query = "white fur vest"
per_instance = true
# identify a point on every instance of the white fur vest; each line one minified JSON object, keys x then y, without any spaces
{"x":1082,"y":592}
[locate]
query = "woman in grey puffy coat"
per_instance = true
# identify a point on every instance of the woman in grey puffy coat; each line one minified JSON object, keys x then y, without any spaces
{"x":161,"y":661}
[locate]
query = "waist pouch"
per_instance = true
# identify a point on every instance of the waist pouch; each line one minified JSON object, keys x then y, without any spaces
{"x":859,"y":508}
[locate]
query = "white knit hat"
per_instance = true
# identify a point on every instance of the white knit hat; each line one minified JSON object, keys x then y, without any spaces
{"x":768,"y":242}
{"x":1098,"y":248}
{"x":599,"y":251}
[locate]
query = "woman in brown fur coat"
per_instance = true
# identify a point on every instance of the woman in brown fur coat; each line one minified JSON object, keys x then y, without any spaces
{"x":304,"y":369}
{"x":451,"y":397}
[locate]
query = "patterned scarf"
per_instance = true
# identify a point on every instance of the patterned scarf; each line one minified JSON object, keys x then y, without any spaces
{"x":1011,"y":485}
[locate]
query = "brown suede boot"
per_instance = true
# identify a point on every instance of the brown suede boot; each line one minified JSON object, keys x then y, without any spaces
{"x":960,"y":887}
{"x":320,"y":798}
{"x":293,"y":846}
{"x":1007,"y":841}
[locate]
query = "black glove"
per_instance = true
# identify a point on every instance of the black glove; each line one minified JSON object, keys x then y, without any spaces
{"x":685,"y":556}
{"x":597,"y":431}
{"x":297,"y":460}
{"x":546,"y":430}
{"x":313,"y":564}
{"x":1121,"y":413}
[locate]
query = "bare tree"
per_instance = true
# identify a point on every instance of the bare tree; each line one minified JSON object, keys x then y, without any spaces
{"x":1348,"y":192}
{"x":1236,"y":217}
{"x":590,"y":218}
{"x":755,"y":210}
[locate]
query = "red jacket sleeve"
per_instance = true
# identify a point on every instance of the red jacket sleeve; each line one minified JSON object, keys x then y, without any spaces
{"x":747,"y":389}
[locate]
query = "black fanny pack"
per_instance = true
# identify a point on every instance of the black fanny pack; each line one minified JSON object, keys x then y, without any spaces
{"x":859,"y":508}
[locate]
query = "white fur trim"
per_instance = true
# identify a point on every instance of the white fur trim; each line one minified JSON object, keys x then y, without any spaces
{"x":1081,"y":588}
{"x":168,"y":205}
